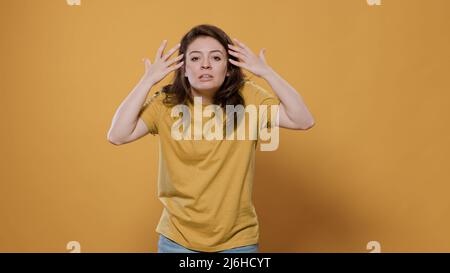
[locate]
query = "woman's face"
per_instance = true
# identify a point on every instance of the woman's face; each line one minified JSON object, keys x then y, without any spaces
{"x":206,"y":64}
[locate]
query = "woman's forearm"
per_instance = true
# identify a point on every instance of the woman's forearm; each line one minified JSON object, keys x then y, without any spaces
{"x":291,"y":100}
{"x":126,"y":116}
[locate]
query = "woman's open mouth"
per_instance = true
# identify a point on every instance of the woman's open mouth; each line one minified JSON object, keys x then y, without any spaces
{"x":205,"y":77}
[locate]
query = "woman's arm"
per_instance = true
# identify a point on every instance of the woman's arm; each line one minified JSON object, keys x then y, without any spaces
{"x":126,"y":125}
{"x":126,"y":117}
{"x":293,"y":112}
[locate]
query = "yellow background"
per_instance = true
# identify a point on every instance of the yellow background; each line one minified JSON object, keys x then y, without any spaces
{"x":375,"y":167}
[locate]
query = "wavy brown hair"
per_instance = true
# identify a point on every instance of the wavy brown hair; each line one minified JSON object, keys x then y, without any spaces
{"x":179,"y":92}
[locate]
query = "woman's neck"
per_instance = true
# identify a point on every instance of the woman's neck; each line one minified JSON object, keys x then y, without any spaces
{"x":206,"y":95}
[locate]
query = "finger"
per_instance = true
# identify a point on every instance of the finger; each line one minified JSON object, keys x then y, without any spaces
{"x":235,"y":48}
{"x":242,"y":45}
{"x":238,"y":49}
{"x":237,"y":55}
{"x":262,"y":55}
{"x":172,"y":68}
{"x":171,"y":51}
{"x":238,"y":63}
{"x":160,"y":50}
{"x":175,"y":59}
{"x":146,"y":60}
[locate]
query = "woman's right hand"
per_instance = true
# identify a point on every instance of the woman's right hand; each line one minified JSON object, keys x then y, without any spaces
{"x":162,"y":65}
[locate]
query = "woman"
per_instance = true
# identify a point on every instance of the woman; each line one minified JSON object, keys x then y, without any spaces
{"x":205,"y":185}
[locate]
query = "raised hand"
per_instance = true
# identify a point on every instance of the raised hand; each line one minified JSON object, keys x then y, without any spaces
{"x":247,"y":59}
{"x":162,"y":65}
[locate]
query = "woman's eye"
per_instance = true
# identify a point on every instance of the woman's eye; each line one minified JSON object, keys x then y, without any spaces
{"x":215,"y":58}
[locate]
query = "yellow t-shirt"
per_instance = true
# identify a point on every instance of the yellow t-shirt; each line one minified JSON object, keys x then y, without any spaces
{"x":206,"y":185}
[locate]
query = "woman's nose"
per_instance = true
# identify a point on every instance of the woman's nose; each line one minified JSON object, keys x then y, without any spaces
{"x":206,"y":64}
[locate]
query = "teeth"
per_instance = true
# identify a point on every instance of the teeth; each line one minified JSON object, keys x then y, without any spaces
{"x":206,"y":76}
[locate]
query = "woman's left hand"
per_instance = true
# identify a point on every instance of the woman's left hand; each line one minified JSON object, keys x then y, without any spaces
{"x":248,"y":60}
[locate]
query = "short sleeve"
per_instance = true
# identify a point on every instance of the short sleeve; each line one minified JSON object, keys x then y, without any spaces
{"x":150,"y":112}
{"x":265,"y":101}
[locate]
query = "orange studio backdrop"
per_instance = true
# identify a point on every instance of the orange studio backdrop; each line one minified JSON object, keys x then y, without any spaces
{"x":371,"y":175}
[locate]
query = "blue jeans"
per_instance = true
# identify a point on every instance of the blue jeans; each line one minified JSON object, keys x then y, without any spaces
{"x":165,"y":245}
